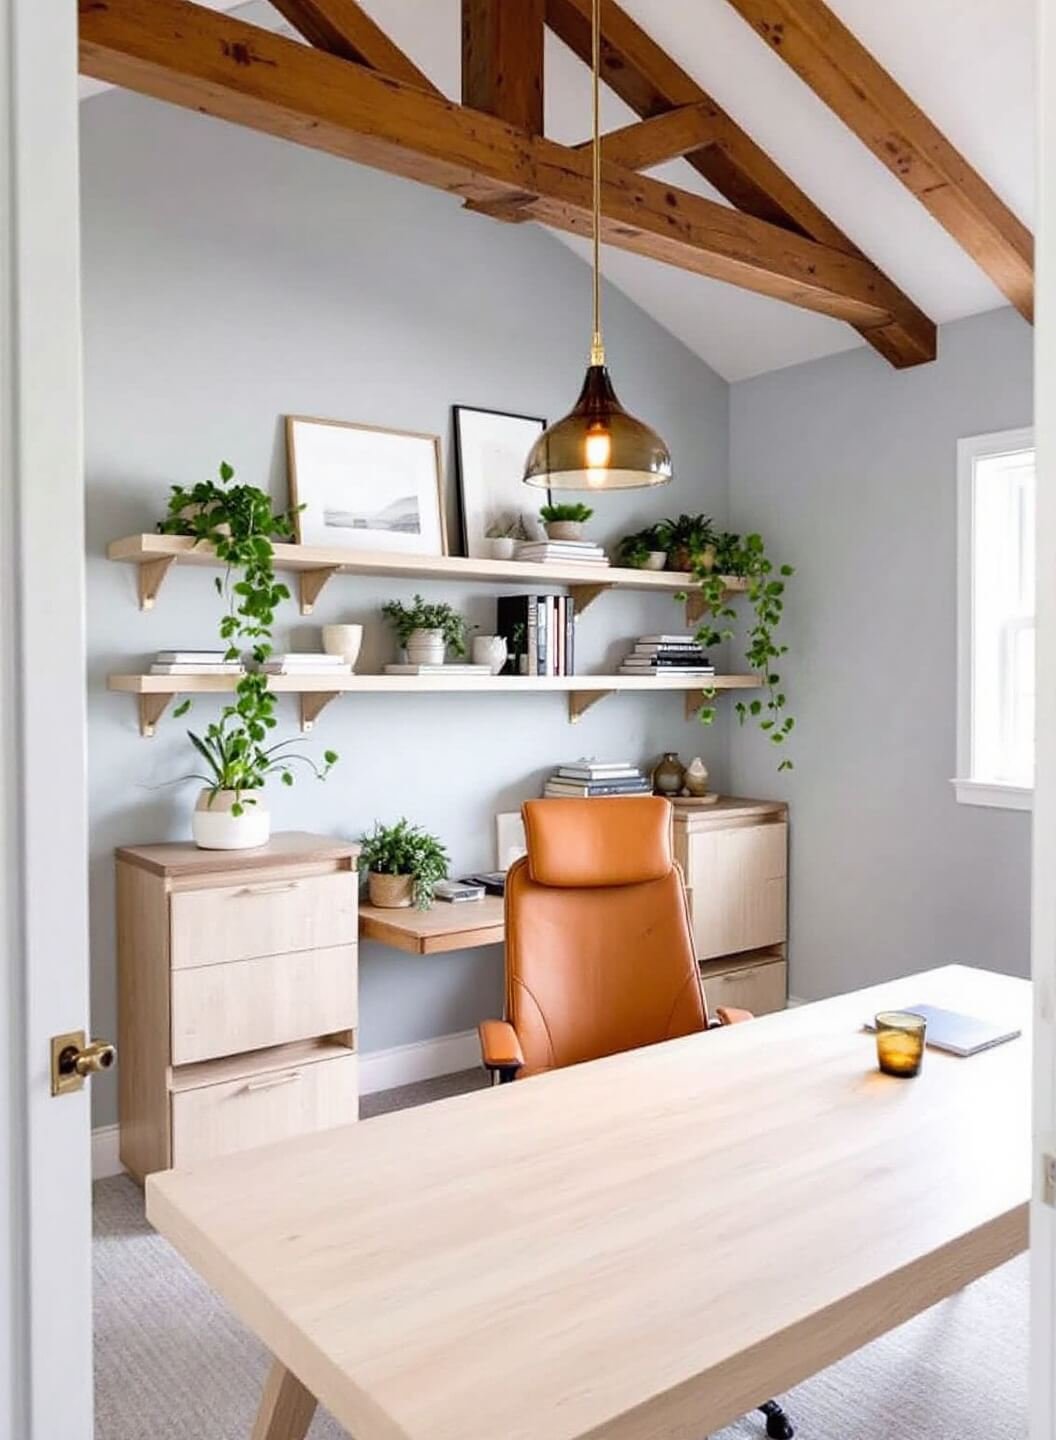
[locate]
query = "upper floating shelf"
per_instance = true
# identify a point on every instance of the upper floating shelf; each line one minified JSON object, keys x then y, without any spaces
{"x":314,"y":565}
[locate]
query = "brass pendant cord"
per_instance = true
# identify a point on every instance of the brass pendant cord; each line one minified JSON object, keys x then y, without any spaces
{"x":597,"y":348}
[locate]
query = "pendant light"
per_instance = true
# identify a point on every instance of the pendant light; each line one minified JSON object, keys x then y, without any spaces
{"x":597,"y":446}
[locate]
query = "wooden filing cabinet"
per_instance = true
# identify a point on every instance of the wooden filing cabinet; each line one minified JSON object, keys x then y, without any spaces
{"x":237,"y":996}
{"x":735,"y":858}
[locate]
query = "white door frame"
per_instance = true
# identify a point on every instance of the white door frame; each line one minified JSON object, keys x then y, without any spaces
{"x":1043,"y":920}
{"x":45,"y":1207}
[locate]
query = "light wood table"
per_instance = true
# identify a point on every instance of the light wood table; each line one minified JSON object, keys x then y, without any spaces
{"x":432,"y":932}
{"x":645,"y":1246}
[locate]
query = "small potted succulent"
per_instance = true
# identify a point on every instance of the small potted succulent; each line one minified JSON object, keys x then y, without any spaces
{"x":565,"y":522}
{"x":402,"y":863}
{"x":691,"y":541}
{"x":426,"y":632}
{"x":504,"y":534}
{"x":645,"y":549}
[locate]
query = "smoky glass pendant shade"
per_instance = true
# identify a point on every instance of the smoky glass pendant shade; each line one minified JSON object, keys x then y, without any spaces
{"x":598,"y":446}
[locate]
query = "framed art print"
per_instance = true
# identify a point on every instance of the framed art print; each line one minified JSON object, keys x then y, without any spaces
{"x":490,"y":451}
{"x":364,"y":488}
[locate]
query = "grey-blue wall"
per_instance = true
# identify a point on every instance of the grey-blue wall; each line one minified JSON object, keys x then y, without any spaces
{"x":230,"y":279}
{"x":851,"y":467}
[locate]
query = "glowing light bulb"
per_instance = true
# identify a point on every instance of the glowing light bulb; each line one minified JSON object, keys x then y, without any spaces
{"x":599,"y":448}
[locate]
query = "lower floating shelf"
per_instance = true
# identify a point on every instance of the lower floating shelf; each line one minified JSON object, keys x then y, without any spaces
{"x":316,"y":691}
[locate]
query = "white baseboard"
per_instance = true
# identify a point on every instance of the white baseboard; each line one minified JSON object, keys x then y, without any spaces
{"x":378,"y":1070}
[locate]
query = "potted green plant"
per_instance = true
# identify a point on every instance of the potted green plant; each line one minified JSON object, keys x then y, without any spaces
{"x":645,"y":549}
{"x":238,"y":521}
{"x":402,"y":863}
{"x":426,"y":632}
{"x":565,"y":521}
{"x":504,"y":534}
{"x":690,"y":542}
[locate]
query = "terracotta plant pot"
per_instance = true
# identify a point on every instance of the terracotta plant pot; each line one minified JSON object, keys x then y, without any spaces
{"x":426,"y":647}
{"x":390,"y":892}
{"x":684,"y":559}
{"x":565,"y":529}
{"x":215,"y":828}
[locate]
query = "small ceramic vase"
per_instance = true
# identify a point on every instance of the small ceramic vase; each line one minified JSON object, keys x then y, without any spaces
{"x":503,"y":547}
{"x":490,"y":650}
{"x":695,"y":779}
{"x":214,"y":827}
{"x":667,"y":777}
{"x":343,"y":640}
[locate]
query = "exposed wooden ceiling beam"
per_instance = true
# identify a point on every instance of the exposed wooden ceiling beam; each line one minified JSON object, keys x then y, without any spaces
{"x":341,"y":27}
{"x":668,"y":136}
{"x":221,"y":66}
{"x":647,"y":79}
{"x":502,"y":60}
{"x":838,"y":68}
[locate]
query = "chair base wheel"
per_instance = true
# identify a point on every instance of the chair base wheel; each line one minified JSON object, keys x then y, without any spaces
{"x":778,"y":1425}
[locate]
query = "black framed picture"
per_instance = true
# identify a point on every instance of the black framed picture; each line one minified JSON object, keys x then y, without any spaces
{"x":498,"y":508}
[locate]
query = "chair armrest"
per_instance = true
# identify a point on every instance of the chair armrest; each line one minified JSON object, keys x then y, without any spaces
{"x":730,"y":1015}
{"x":500,"y":1050}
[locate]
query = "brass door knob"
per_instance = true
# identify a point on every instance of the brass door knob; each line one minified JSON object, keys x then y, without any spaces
{"x":72,"y":1060}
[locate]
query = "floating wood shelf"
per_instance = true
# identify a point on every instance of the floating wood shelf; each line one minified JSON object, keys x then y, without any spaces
{"x":433,"y":932}
{"x":315,"y":565}
{"x":154,"y":692}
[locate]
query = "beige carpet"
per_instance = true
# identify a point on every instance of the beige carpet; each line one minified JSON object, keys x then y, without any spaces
{"x":173,"y":1364}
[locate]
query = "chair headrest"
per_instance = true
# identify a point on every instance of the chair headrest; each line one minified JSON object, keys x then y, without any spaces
{"x":622,"y":840}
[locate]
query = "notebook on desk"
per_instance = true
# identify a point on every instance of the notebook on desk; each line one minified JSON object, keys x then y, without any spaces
{"x":959,"y":1034}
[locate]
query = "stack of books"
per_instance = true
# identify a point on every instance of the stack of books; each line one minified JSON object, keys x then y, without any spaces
{"x":306,"y":663}
{"x":483,"y":671}
{"x":540,"y":633}
{"x":668,"y":655}
{"x":562,"y":552}
{"x":587,"y":778}
{"x":194,"y":662}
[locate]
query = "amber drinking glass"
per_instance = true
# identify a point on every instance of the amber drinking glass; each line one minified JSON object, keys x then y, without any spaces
{"x":900,"y":1037}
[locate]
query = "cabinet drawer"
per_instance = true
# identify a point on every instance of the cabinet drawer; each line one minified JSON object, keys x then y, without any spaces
{"x":738,"y":886}
{"x":226,"y":1009}
{"x":263,"y":1108}
{"x":759,"y":988}
{"x":237,"y":922}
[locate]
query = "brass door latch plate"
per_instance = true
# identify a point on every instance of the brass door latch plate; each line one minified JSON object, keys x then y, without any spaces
{"x":73,"y":1060}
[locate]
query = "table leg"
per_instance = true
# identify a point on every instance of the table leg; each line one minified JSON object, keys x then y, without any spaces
{"x":286,"y":1408}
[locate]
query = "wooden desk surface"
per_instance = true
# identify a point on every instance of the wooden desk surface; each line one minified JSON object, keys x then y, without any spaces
{"x":646,"y":1246}
{"x":431,"y":932}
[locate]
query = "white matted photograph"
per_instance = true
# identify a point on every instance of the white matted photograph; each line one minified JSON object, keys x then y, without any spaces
{"x":510,"y":840}
{"x":365,"y":488}
{"x":490,"y":450}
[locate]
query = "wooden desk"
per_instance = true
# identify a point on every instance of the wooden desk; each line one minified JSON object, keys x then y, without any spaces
{"x":645,"y":1246}
{"x":431,"y":932}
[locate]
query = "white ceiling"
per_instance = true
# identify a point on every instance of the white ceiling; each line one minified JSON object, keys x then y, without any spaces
{"x":968,"y":63}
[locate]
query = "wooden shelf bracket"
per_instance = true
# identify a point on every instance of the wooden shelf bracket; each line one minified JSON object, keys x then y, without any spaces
{"x":151,"y":709}
{"x":584,"y":596}
{"x":150,"y":574}
{"x":313,"y":703}
{"x":580,"y":701}
{"x":695,"y":699}
{"x":311,"y":585}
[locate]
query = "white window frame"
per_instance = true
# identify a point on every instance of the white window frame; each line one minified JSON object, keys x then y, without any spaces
{"x":968,"y":790}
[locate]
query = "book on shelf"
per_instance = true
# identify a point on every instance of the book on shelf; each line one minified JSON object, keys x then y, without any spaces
{"x":481,"y":671}
{"x":645,"y":649}
{"x":682,"y":657}
{"x":597,"y":770}
{"x":193,"y":657}
{"x":687,"y":672}
{"x":306,"y":665}
{"x":682,"y":641}
{"x":197,"y":667}
{"x":540,"y":628}
{"x":571,"y":790}
{"x":566,"y":551}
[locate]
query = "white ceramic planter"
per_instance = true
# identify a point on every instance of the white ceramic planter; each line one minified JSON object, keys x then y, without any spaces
{"x":426,"y":647}
{"x":655,"y":560}
{"x":215,"y":828}
{"x":343,"y":640}
{"x":490,"y":650}
{"x":565,"y":529}
{"x":503,"y":547}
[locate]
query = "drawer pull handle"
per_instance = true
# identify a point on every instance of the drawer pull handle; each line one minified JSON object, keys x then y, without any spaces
{"x":270,"y":1082}
{"x":269,"y":889}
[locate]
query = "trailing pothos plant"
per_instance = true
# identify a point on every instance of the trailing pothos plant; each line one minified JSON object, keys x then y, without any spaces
{"x":239,"y":523}
{"x":746,"y":558}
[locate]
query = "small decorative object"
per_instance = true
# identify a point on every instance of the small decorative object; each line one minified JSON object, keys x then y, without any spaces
{"x":900,"y":1037}
{"x":565,"y":522}
{"x":690,"y":542}
{"x":764,"y":588}
{"x":490,"y":650}
{"x":695,"y":779}
{"x":237,"y":520}
{"x":489,"y":454}
{"x":667,"y":776}
{"x":343,"y":640}
{"x":645,"y":549}
{"x":510,"y":841}
{"x":426,"y":632}
{"x":403,"y":863}
{"x":363,"y":488}
{"x":504,"y":535}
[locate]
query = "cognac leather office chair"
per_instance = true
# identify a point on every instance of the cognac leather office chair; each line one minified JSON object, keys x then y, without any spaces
{"x":599,"y":948}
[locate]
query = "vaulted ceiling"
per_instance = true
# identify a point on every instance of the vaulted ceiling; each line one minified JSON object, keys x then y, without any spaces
{"x":968,"y":64}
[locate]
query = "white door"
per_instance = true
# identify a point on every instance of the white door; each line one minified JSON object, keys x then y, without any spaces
{"x":45,"y":1197}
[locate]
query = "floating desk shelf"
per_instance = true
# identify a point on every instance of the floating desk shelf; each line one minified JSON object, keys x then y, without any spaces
{"x":316,"y":691}
{"x":314,"y":565}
